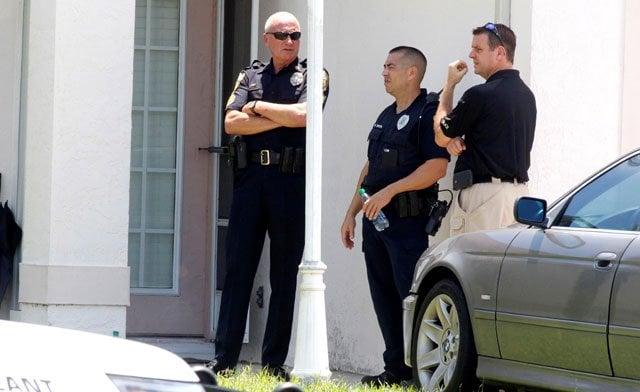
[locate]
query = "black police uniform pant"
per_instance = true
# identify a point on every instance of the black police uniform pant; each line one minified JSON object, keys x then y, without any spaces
{"x":391,"y":257}
{"x":264,"y":200}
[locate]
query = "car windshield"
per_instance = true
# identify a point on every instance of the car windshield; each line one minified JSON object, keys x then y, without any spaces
{"x":608,"y":202}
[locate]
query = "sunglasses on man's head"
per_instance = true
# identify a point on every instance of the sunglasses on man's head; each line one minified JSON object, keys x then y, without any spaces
{"x":492,"y":28}
{"x":282,"y":35}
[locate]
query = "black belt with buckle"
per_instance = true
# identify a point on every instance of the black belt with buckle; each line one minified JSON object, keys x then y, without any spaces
{"x":265,"y":157}
{"x":485,"y":179}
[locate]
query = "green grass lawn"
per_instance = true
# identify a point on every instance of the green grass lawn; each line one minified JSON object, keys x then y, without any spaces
{"x":246,"y":379}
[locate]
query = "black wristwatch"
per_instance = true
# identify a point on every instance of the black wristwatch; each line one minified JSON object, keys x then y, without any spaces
{"x":253,"y":108}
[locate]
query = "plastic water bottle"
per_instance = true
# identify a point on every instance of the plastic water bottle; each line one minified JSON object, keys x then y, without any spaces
{"x":380,"y":222}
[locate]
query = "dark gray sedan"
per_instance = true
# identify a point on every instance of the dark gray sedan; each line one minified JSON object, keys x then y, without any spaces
{"x":553,"y":303}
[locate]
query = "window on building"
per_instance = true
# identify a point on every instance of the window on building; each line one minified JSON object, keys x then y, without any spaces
{"x":155,"y":138}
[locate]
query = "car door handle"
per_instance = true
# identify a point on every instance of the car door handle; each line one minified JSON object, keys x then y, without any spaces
{"x":604,"y":260}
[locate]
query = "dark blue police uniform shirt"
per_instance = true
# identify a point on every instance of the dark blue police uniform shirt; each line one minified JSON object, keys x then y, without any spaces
{"x":497,"y":120}
{"x":289,"y":86}
{"x":414,"y":142}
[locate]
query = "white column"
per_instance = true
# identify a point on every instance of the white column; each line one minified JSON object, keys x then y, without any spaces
{"x":256,"y":30}
{"x":311,"y":354}
{"x":10,"y":68}
{"x":11,"y":46}
{"x":77,"y":127}
{"x":503,"y":12}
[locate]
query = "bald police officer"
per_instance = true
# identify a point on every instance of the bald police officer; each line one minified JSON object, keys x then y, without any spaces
{"x":268,"y":108}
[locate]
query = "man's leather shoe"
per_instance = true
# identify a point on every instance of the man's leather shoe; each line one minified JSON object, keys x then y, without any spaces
{"x":384,"y":378}
{"x":278,"y":372}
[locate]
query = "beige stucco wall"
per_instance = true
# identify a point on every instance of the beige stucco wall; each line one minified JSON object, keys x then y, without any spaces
{"x":570,"y":53}
{"x":77,"y":111}
{"x":357,"y":38}
{"x":77,"y":161}
{"x":356,"y":46}
{"x":576,"y":74}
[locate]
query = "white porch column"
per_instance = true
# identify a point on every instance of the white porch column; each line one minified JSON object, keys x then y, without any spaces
{"x":311,"y":354}
{"x":77,"y":86}
{"x":11,"y":47}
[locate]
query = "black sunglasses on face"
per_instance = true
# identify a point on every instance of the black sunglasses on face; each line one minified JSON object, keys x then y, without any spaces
{"x":492,"y":28}
{"x":282,"y":35}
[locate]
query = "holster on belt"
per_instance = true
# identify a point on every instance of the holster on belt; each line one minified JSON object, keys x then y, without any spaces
{"x":411,"y":203}
{"x":238,"y":152}
{"x":415,"y":203}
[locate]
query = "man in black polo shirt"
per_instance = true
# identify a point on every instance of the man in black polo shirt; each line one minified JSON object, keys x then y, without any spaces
{"x":490,"y":130}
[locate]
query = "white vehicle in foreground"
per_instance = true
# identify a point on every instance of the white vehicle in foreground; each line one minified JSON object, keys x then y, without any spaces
{"x":48,"y":359}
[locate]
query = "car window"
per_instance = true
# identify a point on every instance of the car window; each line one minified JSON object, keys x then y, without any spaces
{"x":610,"y":201}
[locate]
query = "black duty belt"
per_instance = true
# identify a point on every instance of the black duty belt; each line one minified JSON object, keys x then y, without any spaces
{"x":265,"y":157}
{"x":411,"y":203}
{"x":488,"y":178}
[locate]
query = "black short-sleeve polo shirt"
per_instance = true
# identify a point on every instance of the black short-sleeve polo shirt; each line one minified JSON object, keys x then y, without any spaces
{"x":497,"y":120}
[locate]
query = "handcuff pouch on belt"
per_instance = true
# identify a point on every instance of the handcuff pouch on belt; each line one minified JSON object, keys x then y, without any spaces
{"x":238,"y":153}
{"x":411,"y":203}
{"x":292,"y":160}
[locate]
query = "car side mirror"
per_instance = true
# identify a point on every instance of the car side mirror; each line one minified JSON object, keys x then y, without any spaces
{"x":531,"y":211}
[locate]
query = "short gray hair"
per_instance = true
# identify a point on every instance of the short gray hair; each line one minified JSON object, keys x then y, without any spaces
{"x":277,"y":17}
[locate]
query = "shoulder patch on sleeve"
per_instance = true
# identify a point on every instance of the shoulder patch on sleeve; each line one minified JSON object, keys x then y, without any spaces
{"x":232,"y":97}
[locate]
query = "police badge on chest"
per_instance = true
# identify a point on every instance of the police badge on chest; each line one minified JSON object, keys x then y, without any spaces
{"x":296,"y":79}
{"x":402,"y":121}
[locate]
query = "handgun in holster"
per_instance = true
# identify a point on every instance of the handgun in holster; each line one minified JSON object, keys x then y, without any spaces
{"x":238,"y":152}
{"x":416,"y":203}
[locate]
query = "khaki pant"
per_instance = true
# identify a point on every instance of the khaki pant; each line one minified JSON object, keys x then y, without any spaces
{"x":485,"y":206}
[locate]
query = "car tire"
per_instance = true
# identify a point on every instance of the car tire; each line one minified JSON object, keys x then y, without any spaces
{"x":443,"y":353}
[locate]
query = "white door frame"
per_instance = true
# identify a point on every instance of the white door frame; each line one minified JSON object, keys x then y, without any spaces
{"x":215,"y":161}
